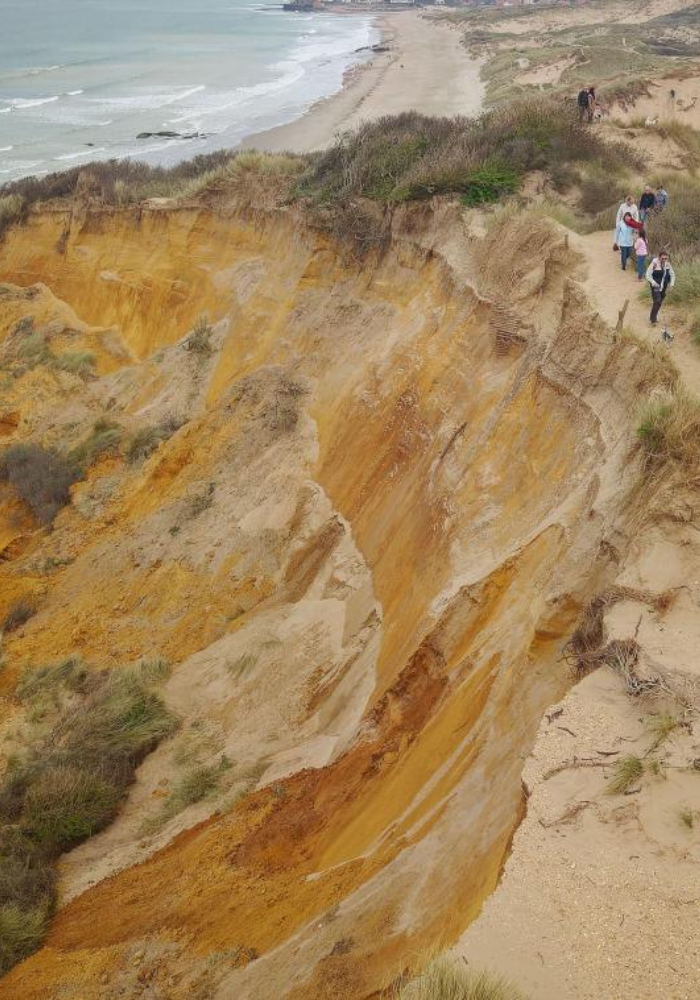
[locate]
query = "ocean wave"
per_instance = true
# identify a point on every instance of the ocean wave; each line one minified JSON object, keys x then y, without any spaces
{"x":148,"y":102}
{"x":82,"y":153}
{"x":241,"y":96}
{"x":74,"y":93}
{"x":21,"y":103}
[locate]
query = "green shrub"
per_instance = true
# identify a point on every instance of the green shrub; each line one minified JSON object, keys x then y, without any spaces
{"x":69,"y":785}
{"x":81,"y":363}
{"x":413,"y":156}
{"x":489,"y":183}
{"x":21,"y":933}
{"x":66,"y":805}
{"x":42,"y":478}
{"x":687,"y":287}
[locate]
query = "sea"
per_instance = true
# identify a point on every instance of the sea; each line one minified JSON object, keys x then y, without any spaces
{"x":81,"y":79}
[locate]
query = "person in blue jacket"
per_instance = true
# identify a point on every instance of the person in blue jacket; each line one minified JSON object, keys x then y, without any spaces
{"x":625,"y":232}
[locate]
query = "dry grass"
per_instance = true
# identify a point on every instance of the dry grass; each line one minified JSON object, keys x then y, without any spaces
{"x":627,"y":771}
{"x":12,"y":210}
{"x":670,"y":433}
{"x":104,"y":439}
{"x":687,"y":817}
{"x":19,"y":613}
{"x":147,"y":440}
{"x":449,"y":979}
{"x":41,"y":477}
{"x":199,"y":341}
{"x":199,"y":782}
{"x":660,"y":728}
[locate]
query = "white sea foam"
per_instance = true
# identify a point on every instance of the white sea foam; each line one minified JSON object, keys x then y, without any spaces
{"x":82,"y":153}
{"x":19,"y":103}
{"x":229,"y":98}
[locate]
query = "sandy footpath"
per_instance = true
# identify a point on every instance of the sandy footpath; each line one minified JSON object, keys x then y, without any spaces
{"x":426,"y":69}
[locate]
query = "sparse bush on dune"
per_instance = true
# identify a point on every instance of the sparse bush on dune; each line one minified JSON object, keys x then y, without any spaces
{"x":449,"y":979}
{"x":128,"y":182}
{"x":104,"y":439}
{"x":412,"y":156}
{"x":145,"y":441}
{"x":670,"y":433}
{"x":20,"y":613}
{"x":69,"y":785}
{"x":12,"y":209}
{"x":42,"y":478}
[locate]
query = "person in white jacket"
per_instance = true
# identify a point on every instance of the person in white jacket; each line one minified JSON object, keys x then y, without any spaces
{"x":625,"y":235}
{"x":661,"y":277}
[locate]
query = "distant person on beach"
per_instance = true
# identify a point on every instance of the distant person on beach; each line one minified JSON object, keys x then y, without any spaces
{"x":646,"y":203}
{"x":661,"y":277}
{"x":641,"y":249}
{"x":661,"y":198}
{"x":626,"y":228}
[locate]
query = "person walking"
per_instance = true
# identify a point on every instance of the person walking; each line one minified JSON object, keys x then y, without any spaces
{"x":646,"y":203}
{"x":627,"y":227}
{"x":591,"y":104}
{"x":641,"y":249}
{"x":661,"y":198}
{"x":661,"y":277}
{"x":583,"y":104}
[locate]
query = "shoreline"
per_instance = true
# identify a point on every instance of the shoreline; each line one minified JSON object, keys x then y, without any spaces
{"x":426,"y":69}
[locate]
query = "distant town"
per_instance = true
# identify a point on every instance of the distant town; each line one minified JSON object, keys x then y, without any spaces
{"x":297,"y":5}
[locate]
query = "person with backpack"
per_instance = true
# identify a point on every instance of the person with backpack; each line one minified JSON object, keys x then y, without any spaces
{"x":661,"y":277}
{"x":661,"y":198}
{"x":627,"y":227}
{"x":641,"y":249}
{"x":646,"y":203}
{"x":583,"y":104}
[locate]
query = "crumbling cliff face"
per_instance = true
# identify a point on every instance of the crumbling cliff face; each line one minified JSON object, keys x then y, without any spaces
{"x":386,"y":491}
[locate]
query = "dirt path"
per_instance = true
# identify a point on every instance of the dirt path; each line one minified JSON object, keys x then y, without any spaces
{"x":609,"y":287}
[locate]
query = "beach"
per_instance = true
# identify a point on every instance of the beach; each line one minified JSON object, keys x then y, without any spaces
{"x":426,"y":69}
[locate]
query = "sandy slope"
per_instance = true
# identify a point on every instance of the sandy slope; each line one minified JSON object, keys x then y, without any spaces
{"x":595,"y":882}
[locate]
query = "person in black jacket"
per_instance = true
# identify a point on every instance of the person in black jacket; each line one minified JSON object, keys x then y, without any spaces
{"x":646,"y":203}
{"x":661,"y":277}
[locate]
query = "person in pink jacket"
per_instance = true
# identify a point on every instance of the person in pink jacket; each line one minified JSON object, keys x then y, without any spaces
{"x":641,"y":249}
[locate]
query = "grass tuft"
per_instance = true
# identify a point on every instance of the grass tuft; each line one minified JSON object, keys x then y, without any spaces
{"x":80,"y":363}
{"x":104,"y":439}
{"x":448,"y":979}
{"x":145,"y":441}
{"x":660,"y":727}
{"x":19,"y":613}
{"x":627,"y":771}
{"x":687,"y":817}
{"x":199,"y":341}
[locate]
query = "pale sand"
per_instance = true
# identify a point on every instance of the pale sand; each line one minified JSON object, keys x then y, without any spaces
{"x":426,"y":69}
